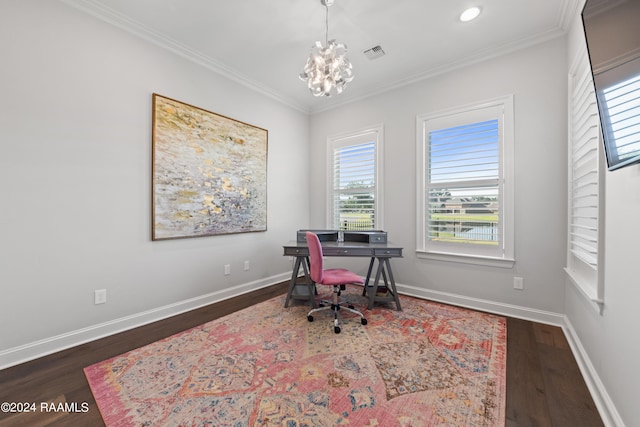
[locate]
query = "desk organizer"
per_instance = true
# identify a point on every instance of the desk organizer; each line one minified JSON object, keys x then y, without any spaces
{"x":368,"y":236}
{"x":373,"y":236}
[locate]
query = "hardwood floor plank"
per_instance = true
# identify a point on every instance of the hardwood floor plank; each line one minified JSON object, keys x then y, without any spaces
{"x":569,"y":400}
{"x":526,"y":396}
{"x":544,"y":385}
{"x":551,"y":336}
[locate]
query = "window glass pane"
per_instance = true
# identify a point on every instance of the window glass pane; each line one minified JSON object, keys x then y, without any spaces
{"x":464,"y":212}
{"x":354,"y":166}
{"x":354,"y":174}
{"x":464,"y":215}
{"x":355,"y":211}
{"x":464,"y":152}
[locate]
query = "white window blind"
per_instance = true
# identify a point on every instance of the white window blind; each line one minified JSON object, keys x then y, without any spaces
{"x":583,"y":258}
{"x":463,"y":184}
{"x":354,"y":174}
{"x":465,"y":188}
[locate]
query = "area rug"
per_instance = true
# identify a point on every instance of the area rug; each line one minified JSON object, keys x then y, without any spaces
{"x":428,"y":365}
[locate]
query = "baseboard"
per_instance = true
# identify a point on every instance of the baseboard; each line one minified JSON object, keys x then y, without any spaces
{"x":24,"y":353}
{"x":494,"y":307}
{"x":606,"y":408}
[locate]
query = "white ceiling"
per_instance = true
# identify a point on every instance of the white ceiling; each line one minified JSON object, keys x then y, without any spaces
{"x":265,"y":44}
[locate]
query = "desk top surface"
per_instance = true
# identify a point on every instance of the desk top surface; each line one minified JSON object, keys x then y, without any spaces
{"x":346,"y":244}
{"x":349,"y":249}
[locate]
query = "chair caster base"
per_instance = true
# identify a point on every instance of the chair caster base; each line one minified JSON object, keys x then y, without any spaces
{"x":363,"y":321}
{"x":336,"y":329}
{"x":310,"y":318}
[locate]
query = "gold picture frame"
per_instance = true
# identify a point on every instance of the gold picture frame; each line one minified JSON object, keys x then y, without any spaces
{"x":209,"y":173}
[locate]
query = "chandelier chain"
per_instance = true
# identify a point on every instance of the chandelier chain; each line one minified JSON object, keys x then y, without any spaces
{"x":326,"y":25}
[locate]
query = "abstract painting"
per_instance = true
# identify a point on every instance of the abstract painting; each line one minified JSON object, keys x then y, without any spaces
{"x":209,"y":173}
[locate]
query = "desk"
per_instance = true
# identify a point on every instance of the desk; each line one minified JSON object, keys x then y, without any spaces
{"x":382,"y":252}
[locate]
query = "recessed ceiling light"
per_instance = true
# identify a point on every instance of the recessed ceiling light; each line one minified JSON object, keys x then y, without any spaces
{"x":470,"y":14}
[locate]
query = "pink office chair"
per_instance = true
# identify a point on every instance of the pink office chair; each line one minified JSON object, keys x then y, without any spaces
{"x":336,"y":277}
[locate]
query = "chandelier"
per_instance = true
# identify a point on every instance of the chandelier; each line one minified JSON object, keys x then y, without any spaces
{"x":327,"y":69}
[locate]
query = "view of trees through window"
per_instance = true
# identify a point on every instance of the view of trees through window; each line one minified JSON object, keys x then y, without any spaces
{"x":356,"y":209}
{"x":466,"y":219}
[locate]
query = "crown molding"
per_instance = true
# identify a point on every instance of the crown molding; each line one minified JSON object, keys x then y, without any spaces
{"x":426,"y":74}
{"x":568,"y":10}
{"x":110,"y":16}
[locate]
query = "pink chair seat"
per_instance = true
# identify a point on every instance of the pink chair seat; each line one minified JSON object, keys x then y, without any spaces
{"x":340,"y":276}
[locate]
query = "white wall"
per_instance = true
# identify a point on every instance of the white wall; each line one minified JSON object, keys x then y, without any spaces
{"x":75,"y":172}
{"x":610,"y":340}
{"x":536,"y":77}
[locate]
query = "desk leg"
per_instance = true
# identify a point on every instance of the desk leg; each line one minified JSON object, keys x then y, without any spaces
{"x":392,"y":282}
{"x":366,"y":280}
{"x":294,"y":277}
{"x":311,"y":286}
{"x":374,"y":288}
{"x":384,"y":276}
{"x":307,"y":275}
{"x":384,"y":269}
{"x":292,"y":283}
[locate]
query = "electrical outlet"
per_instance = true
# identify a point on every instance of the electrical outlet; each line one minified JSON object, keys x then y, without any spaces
{"x":99,"y":296}
{"x":246,"y":265}
{"x":518,"y":283}
{"x":227,"y":269}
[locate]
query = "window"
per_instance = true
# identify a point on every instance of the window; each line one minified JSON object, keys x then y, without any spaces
{"x":465,"y":200}
{"x":584,"y":254}
{"x":355,"y":180}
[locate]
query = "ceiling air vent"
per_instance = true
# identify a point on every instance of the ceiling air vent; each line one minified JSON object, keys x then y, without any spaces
{"x":374,"y":52}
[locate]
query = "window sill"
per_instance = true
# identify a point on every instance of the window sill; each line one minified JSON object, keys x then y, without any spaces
{"x":590,"y":295}
{"x":467,"y":259}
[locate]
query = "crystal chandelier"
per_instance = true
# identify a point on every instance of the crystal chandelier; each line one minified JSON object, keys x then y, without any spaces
{"x":327,"y":68}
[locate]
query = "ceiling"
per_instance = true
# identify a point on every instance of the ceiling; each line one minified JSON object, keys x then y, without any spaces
{"x":265,"y":44}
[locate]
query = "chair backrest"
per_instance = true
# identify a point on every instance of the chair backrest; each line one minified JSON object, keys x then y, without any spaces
{"x":315,"y":255}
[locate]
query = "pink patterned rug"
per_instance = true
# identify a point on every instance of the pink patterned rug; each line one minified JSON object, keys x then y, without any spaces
{"x":429,"y":365}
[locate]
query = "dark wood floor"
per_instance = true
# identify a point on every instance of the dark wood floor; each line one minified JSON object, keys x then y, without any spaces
{"x":544,"y":385}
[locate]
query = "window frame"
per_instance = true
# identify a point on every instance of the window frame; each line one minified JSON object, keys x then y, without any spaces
{"x":353,"y":138}
{"x":586,"y":277}
{"x":504,"y":255}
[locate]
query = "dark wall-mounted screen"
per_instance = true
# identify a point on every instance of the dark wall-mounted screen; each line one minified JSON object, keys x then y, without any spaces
{"x":612,"y":30}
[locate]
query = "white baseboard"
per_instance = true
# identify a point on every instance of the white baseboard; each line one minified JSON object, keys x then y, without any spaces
{"x":494,"y":307}
{"x":24,"y":353}
{"x":606,"y":408}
